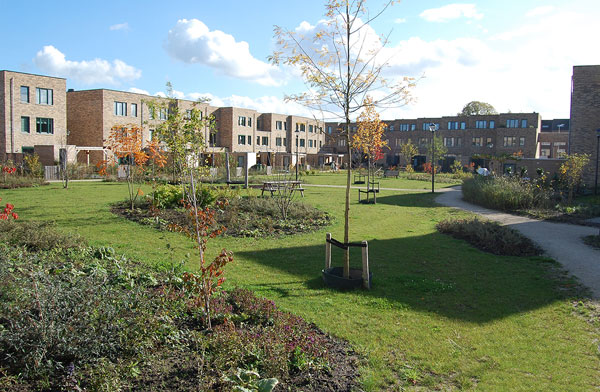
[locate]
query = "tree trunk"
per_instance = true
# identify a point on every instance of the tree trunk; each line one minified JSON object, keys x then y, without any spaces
{"x":347,"y":209}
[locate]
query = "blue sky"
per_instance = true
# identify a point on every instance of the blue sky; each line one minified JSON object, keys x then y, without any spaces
{"x":516,"y":55}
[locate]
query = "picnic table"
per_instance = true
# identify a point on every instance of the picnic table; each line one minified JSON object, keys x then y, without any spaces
{"x":277,"y":186}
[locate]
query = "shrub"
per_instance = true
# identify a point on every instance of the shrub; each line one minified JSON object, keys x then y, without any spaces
{"x":490,"y":237}
{"x":506,"y":193}
{"x":171,"y":196}
{"x":37,"y":236}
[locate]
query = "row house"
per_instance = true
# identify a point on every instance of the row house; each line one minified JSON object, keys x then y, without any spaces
{"x":33,"y":117}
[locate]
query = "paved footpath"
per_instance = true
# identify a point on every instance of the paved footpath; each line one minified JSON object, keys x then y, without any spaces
{"x":560,"y":241}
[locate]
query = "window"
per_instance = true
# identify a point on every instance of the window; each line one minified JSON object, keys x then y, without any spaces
{"x":452,"y":125}
{"x":24,"y":94}
{"x":320,"y":143}
{"x":188,"y":114}
{"x":163,"y":114}
{"x":512,"y":123}
{"x":560,"y":148}
{"x":492,"y":124}
{"x":302,"y":143}
{"x":278,"y":125}
{"x":212,"y":139}
{"x":404,"y":127}
{"x":423,"y":141}
{"x":151,"y":131}
{"x":545,"y":149}
{"x":477,"y":141}
{"x":302,"y":127}
{"x":265,"y":141}
{"x":242,"y":139}
{"x":27,"y":150}
{"x":510,"y":141}
{"x":413,"y":127}
{"x":342,"y":142}
{"x":249,"y":121}
{"x":43,"y":96}
{"x":426,"y":126}
{"x":278,"y":141}
{"x":329,"y":129}
{"x":258,"y":140}
{"x":120,"y":109}
{"x":25,"y":124}
{"x":310,"y":143}
{"x":458,"y":141}
{"x":463,"y":125}
{"x":481,"y":124}
{"x":258,"y":124}
{"x":523,"y":123}
{"x":449,"y":141}
{"x":521,"y":141}
{"x":310,"y":129}
{"x":134,"y":110}
{"x":240,"y":161}
{"x":44,"y":125}
{"x":285,"y":126}
{"x":242,"y":121}
{"x":249,"y":138}
{"x":391,"y":128}
{"x":285,"y":142}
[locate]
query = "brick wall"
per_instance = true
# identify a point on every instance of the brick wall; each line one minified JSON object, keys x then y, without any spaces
{"x":585,"y":114}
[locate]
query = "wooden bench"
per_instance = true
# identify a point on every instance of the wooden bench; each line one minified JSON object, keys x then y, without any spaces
{"x":391,"y":173}
{"x":277,"y":186}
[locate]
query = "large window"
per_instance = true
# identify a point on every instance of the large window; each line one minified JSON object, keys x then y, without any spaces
{"x":242,"y":139}
{"x":510,"y":141}
{"x":463,"y":125}
{"x":163,"y":113}
{"x":120,"y":108}
{"x":302,"y":143}
{"x":477,"y":141}
{"x":426,"y":126}
{"x":492,"y":124}
{"x":404,"y":127}
{"x":512,"y":123}
{"x":452,"y":125}
{"x":25,"y":124}
{"x":242,"y":121}
{"x":310,"y":129}
{"x":24,"y":94}
{"x":523,"y":123}
{"x":44,"y":125}
{"x":302,"y":127}
{"x":278,"y":141}
{"x":265,"y":141}
{"x":44,"y":96}
{"x":134,"y":109}
{"x":481,"y":124}
{"x":278,"y":125}
{"x":449,"y":141}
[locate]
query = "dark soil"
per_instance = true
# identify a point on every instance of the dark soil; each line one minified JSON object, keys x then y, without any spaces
{"x":244,"y":217}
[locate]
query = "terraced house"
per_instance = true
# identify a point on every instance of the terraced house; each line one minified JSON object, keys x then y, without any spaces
{"x":33,"y":116}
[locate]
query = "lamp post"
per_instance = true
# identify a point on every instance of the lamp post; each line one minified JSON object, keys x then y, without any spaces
{"x":432,"y":130}
{"x":297,"y":161}
{"x":597,"y":153}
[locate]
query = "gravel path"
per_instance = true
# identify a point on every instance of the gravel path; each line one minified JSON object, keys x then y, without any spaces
{"x":560,"y":241}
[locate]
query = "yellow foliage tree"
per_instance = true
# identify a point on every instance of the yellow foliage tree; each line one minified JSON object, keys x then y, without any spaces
{"x":368,"y":137}
{"x":571,"y":171}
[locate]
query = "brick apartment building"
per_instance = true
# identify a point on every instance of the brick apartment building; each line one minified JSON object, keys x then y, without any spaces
{"x":33,"y":116}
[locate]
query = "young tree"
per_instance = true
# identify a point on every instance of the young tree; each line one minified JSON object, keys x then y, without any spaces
{"x":408,"y":151}
{"x":340,"y":63}
{"x":474,"y":108}
{"x":368,"y":137}
{"x":571,"y":171}
{"x":438,"y":150}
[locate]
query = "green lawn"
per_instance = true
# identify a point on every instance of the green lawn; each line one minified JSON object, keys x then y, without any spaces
{"x":402,"y":182}
{"x":440,"y":312}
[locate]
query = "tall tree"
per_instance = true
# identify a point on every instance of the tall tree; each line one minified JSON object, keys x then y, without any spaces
{"x":368,"y":137}
{"x":341,"y":61}
{"x":474,"y":108}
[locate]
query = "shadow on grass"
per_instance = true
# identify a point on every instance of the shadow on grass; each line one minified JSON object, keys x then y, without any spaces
{"x":432,"y":273}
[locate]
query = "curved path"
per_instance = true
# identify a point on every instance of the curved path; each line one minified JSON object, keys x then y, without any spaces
{"x":560,"y":241}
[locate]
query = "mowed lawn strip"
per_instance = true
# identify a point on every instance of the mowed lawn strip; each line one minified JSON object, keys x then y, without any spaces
{"x":441,"y":314}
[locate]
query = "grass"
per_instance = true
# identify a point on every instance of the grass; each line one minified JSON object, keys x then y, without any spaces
{"x":402,"y":182}
{"x":441,"y":314}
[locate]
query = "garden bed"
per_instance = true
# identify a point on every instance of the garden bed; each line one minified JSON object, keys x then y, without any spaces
{"x":242,"y":217}
{"x":76,"y":317}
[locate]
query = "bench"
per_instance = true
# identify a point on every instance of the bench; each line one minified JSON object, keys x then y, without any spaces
{"x":277,"y":186}
{"x":391,"y":173}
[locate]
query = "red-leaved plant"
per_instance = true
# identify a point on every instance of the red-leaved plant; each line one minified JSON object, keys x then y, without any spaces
{"x":8,"y":212}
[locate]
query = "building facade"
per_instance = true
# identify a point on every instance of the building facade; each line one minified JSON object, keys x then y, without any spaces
{"x":33,"y":116}
{"x":585,"y":116}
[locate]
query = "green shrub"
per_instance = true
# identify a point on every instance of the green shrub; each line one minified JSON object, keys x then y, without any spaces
{"x":37,"y":236}
{"x":506,"y":193}
{"x":171,"y":196}
{"x":490,"y":237}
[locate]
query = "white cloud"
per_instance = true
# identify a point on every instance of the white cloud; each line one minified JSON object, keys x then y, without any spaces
{"x":119,"y":26}
{"x":192,"y":42}
{"x":400,"y":20}
{"x":539,"y":11}
{"x":97,"y":71}
{"x":451,"y":11}
{"x":138,"y":91}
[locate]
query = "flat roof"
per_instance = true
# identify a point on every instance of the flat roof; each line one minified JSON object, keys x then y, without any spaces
{"x":32,"y":74}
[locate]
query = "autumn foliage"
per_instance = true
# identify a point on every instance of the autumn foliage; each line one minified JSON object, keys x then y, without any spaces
{"x":8,"y":212}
